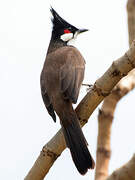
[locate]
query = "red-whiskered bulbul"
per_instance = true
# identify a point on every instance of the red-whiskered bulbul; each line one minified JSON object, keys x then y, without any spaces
{"x":61,"y":78}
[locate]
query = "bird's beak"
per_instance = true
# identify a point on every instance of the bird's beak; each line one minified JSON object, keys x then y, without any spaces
{"x":82,"y":30}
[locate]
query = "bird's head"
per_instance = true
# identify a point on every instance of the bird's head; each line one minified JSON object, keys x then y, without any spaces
{"x":62,"y":30}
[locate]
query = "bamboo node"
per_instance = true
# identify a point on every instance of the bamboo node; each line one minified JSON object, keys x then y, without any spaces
{"x":129,"y":60}
{"x":47,"y":152}
{"x":82,"y":121}
{"x":105,"y":152}
{"x":100,"y":92}
{"x":116,"y":72}
{"x":105,"y":115}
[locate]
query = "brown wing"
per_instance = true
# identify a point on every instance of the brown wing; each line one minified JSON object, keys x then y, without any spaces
{"x":71,"y":76}
{"x":46,"y":100}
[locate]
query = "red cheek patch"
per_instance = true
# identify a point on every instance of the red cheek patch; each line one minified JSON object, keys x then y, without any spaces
{"x":66,"y":31}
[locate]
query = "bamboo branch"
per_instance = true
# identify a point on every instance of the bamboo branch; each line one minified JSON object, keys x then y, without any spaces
{"x":103,"y":144}
{"x":101,"y":89}
{"x":105,"y":119}
{"x":126,"y":172}
{"x":131,"y":19}
{"x":106,"y":113}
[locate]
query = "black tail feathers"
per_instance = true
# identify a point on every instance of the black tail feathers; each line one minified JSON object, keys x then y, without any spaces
{"x":77,"y":144}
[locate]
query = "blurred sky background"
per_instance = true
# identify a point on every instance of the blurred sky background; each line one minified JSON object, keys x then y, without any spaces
{"x":25,"y":125}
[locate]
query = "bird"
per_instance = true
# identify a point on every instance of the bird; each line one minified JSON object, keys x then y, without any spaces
{"x":60,"y":80}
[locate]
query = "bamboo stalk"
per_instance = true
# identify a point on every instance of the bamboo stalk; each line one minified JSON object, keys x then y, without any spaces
{"x":100,"y":90}
{"x":106,"y":113}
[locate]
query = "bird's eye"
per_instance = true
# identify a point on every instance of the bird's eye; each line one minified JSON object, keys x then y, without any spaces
{"x":66,"y":31}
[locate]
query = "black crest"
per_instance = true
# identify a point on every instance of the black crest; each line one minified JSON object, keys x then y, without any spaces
{"x":58,"y":22}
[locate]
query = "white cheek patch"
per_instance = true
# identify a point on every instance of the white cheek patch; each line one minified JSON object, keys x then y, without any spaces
{"x":66,"y":37}
{"x":71,"y":42}
{"x":75,"y":35}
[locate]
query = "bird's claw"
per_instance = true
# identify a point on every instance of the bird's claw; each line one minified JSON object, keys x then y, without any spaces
{"x":89,"y":87}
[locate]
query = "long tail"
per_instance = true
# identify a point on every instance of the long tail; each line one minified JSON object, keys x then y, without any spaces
{"x":77,"y":143}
